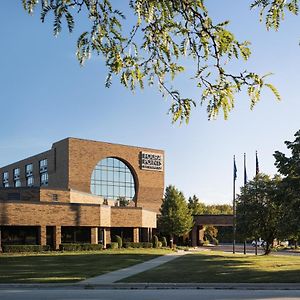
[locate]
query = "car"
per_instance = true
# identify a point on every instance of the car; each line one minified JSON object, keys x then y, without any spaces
{"x":260,"y":243}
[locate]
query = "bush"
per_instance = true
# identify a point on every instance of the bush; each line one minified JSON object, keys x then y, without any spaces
{"x":80,"y":247}
{"x":118,"y":239}
{"x":24,"y":248}
{"x":159,"y":244}
{"x":155,"y":241}
{"x":147,"y":245}
{"x":164,"y":242}
{"x":113,"y":245}
{"x":137,"y":245}
{"x":215,"y":241}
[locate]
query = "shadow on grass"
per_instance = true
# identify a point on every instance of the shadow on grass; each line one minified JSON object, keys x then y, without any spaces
{"x":64,"y":268}
{"x":197,"y":268}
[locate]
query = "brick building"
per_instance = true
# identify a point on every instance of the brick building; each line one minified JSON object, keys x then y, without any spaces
{"x":81,"y":191}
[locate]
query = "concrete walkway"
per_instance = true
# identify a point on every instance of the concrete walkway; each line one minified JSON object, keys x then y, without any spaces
{"x":130,"y":271}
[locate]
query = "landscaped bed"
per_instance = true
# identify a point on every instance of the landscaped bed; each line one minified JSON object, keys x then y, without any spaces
{"x":62,"y":267}
{"x":219,"y":267}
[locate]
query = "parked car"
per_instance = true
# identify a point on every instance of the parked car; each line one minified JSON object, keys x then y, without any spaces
{"x":260,"y":243}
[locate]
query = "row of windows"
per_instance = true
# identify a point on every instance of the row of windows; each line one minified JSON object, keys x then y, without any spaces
{"x":43,"y":165}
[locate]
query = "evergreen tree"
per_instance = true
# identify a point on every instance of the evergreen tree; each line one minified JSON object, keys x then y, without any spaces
{"x":175,"y":218}
{"x":289,"y":167}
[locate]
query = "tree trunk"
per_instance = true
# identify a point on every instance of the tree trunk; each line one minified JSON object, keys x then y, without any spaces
{"x":267,"y":248}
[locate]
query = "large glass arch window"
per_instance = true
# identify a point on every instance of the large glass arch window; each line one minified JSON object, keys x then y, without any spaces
{"x":112,"y":179}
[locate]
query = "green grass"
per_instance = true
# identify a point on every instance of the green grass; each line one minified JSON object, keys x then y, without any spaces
{"x":219,"y":267}
{"x":69,"y":267}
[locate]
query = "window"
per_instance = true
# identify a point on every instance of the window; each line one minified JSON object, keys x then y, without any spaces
{"x":16,"y":173}
{"x":5,"y":179}
{"x":17,"y":182}
{"x":112,"y":179}
{"x":28,"y":169}
{"x":44,"y":172}
{"x":54,"y":197}
{"x":29,"y":181}
{"x":44,"y":165}
{"x":44,"y":179}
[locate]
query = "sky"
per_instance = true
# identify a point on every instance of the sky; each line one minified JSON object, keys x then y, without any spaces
{"x":46,"y":96}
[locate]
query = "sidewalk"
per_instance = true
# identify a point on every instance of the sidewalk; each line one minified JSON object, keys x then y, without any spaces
{"x":130,"y":271}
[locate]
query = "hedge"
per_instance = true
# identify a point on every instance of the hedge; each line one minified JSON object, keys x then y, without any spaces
{"x":137,"y":245}
{"x":113,"y":245}
{"x":80,"y":247}
{"x":118,"y":239}
{"x":24,"y":248}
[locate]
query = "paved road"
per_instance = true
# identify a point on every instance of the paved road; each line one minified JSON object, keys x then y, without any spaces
{"x":207,"y":294}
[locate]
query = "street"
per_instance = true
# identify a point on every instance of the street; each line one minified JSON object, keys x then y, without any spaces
{"x":169,"y":294}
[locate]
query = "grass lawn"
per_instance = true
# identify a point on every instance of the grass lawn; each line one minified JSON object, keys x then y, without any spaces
{"x":69,"y":267}
{"x":219,"y":267}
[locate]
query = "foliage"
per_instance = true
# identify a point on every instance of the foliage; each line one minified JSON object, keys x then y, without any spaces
{"x":175,"y":218}
{"x":24,"y":248}
{"x":123,"y":201}
{"x":289,"y":167}
{"x":164,"y":242}
{"x":258,"y":212}
{"x":118,"y":240}
{"x":113,"y":245}
{"x":210,"y":234}
{"x":155,"y":241}
{"x":199,"y":208}
{"x":163,"y":35}
{"x":80,"y":247}
{"x":137,"y":245}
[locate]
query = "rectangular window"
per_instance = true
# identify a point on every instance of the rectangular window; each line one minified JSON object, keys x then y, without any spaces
{"x":43,"y":165}
{"x":5,"y":179}
{"x":54,"y":197}
{"x":29,"y":181}
{"x":28,"y":169}
{"x":44,"y":179}
{"x":16,"y":173}
{"x":17,"y":182}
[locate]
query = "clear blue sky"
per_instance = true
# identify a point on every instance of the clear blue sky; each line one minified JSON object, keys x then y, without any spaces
{"x":46,"y":96}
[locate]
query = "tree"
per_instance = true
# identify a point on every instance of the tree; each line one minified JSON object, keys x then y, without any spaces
{"x":175,"y":218}
{"x":163,"y":35}
{"x":289,"y":167}
{"x":195,"y":206}
{"x":199,"y":208}
{"x":258,"y":212}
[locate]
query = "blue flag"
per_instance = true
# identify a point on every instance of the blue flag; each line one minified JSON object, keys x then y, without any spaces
{"x":234,"y":169}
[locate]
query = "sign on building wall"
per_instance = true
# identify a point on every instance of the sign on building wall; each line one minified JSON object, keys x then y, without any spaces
{"x":151,"y":161}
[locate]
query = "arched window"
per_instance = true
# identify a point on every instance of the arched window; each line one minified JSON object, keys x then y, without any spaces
{"x":112,"y":179}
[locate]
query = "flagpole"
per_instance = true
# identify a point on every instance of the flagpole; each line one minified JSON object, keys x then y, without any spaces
{"x":234,"y":208}
{"x":245,"y":181}
{"x":256,"y":173}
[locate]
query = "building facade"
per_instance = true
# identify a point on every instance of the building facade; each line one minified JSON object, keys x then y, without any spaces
{"x":81,"y":191}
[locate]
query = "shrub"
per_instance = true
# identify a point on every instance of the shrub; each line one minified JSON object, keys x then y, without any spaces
{"x":159,"y":244}
{"x":147,"y":245}
{"x":113,"y":245}
{"x":164,"y":242}
{"x":80,"y":247}
{"x":155,"y":241}
{"x":118,"y":239}
{"x":25,"y":248}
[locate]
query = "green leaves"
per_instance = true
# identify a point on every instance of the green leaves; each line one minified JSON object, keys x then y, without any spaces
{"x":163,"y":35}
{"x":274,"y":11}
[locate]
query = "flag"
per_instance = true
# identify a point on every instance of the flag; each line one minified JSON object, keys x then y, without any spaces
{"x":257,"y":166}
{"x":234,"y":169}
{"x":245,"y":171}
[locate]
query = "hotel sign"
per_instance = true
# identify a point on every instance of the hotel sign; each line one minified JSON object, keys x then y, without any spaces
{"x":151,"y":161}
